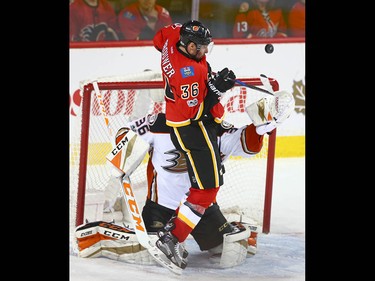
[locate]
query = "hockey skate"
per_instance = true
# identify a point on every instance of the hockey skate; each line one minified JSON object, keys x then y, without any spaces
{"x":172,"y":249}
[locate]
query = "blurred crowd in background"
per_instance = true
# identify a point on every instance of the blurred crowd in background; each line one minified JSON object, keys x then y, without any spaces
{"x":114,"y":20}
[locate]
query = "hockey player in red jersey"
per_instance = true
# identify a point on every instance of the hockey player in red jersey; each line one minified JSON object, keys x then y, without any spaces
{"x":192,"y":111}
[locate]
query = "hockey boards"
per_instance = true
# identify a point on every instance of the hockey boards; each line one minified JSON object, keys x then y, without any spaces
{"x":140,"y":229}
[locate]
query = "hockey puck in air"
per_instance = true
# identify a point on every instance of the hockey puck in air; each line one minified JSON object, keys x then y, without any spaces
{"x":269,"y":48}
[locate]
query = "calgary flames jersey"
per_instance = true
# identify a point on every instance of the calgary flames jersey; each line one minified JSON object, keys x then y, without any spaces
{"x":185,"y":80}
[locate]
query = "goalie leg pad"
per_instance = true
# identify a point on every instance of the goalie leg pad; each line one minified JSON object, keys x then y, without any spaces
{"x":271,"y":111}
{"x":115,"y":211}
{"x":234,"y":253}
{"x":234,"y":247}
{"x":111,"y":193}
{"x":104,"y":239}
{"x":252,"y":240}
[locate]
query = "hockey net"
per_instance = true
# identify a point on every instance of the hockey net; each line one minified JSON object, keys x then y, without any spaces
{"x":247,"y":190}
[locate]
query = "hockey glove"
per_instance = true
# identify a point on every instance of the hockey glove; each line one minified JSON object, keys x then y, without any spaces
{"x":270,"y":112}
{"x":219,"y":84}
{"x":224,"y":80}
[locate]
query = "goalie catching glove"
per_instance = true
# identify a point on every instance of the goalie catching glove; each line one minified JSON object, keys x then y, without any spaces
{"x":125,"y":158}
{"x":269,"y":112}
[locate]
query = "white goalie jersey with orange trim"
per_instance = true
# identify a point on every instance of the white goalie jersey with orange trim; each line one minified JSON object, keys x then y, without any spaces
{"x":167,"y":182}
{"x":167,"y":175}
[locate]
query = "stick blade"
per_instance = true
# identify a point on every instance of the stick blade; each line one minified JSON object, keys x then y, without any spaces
{"x":266,"y":83}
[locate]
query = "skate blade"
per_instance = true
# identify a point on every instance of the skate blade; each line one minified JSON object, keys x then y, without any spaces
{"x":161,"y":259}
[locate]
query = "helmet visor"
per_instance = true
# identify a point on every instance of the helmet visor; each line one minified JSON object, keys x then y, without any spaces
{"x":205,"y":48}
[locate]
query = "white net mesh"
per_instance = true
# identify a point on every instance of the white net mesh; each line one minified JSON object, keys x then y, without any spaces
{"x":242,"y":194}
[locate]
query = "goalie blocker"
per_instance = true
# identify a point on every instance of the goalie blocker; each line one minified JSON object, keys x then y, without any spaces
{"x":128,"y":153}
{"x":105,"y":239}
{"x":269,"y":112}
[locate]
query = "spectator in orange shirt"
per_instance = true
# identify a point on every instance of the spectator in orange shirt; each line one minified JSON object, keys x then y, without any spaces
{"x":142,"y":19}
{"x":92,"y":20}
{"x":262,"y":20}
{"x":296,"y":19}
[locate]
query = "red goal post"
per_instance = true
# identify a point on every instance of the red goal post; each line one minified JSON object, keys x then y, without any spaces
{"x":247,"y":190}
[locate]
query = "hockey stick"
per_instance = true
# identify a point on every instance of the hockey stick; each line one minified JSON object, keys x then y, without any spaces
{"x":132,"y":205}
{"x":252,"y":86}
{"x":131,"y":202}
{"x":266,"y":83}
{"x":119,"y":152}
{"x":140,"y":229}
{"x":126,"y":188}
{"x":102,"y":106}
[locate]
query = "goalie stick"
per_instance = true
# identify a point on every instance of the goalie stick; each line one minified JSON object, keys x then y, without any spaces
{"x":131,"y":202}
{"x":140,"y":229}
